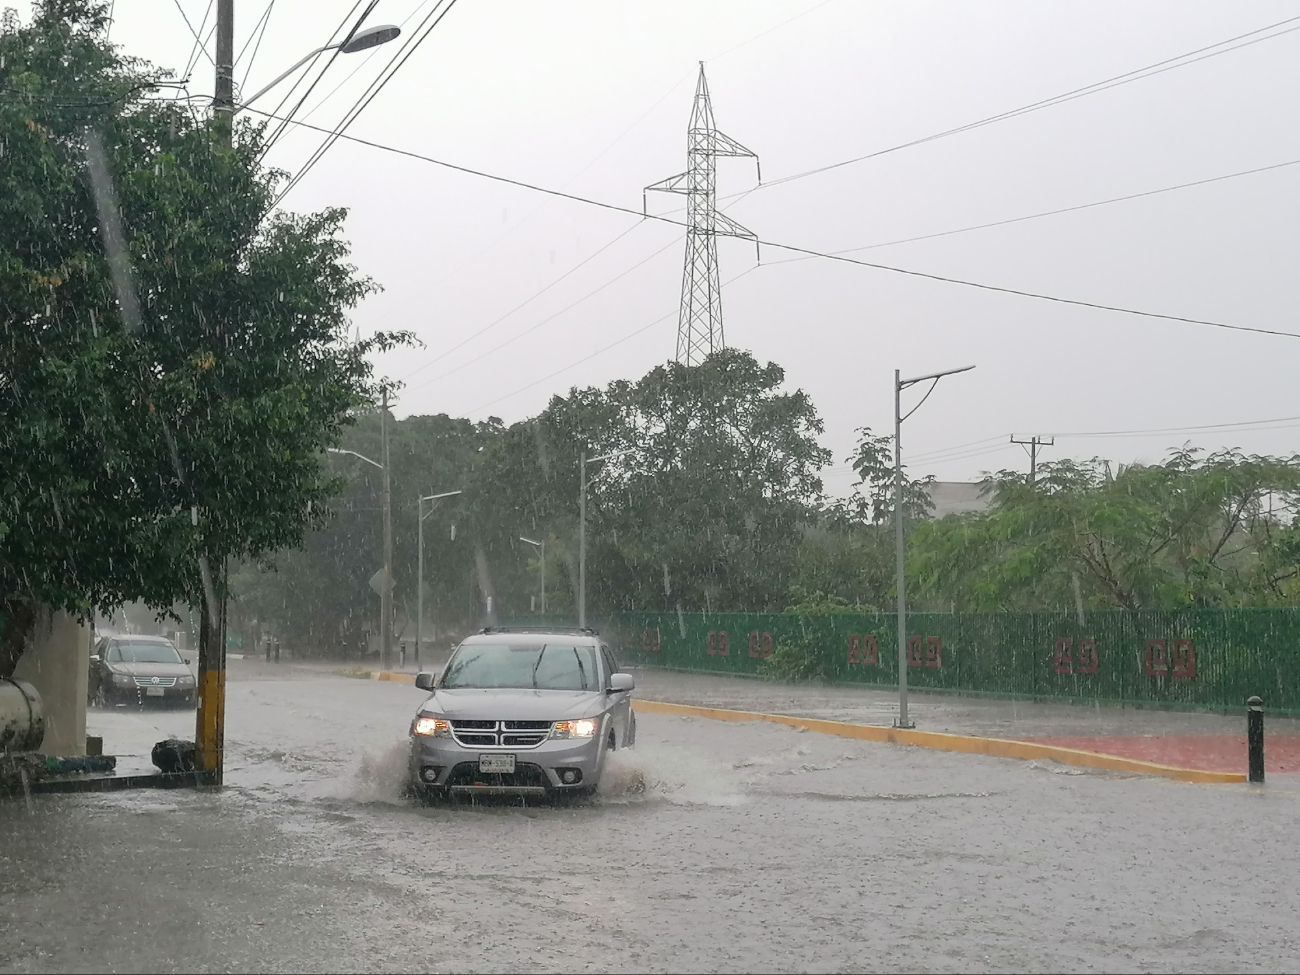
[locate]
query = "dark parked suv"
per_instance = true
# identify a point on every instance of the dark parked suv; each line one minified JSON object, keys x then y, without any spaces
{"x":136,"y":669}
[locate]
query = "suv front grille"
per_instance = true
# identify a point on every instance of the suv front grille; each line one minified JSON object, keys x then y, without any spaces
{"x":155,"y":682}
{"x":500,"y":734}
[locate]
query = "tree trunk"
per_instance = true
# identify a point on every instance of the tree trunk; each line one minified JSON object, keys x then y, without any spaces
{"x":16,"y":618}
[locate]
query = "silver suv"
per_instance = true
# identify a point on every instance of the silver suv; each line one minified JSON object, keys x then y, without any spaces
{"x":521,"y":711}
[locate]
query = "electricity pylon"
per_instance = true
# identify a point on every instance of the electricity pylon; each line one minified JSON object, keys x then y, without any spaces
{"x":699,"y":324}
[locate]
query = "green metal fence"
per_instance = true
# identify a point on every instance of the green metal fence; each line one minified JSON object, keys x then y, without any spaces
{"x":1210,"y":658}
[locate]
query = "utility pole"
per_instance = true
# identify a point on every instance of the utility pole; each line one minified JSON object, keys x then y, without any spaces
{"x":582,"y":542}
{"x":210,"y":717}
{"x":223,"y":93}
{"x":900,"y":550}
{"x":386,"y":593}
{"x":899,"y":553}
{"x":1033,"y":443}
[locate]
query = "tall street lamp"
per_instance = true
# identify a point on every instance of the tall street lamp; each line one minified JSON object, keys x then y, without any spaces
{"x":899,"y":417}
{"x":432,"y":500}
{"x":361,"y":40}
{"x":386,"y":586}
{"x":542,"y":546}
{"x":582,"y":530}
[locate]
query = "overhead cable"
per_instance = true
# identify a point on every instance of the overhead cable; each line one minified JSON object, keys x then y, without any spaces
{"x":926,"y":275}
{"x":1138,"y":74}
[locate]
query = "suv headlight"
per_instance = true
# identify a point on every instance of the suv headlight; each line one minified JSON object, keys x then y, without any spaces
{"x":429,"y":726}
{"x":184,"y":681}
{"x":122,"y":679}
{"x":581,"y":728}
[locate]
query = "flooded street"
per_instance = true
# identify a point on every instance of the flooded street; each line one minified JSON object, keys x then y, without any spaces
{"x":713,"y":846}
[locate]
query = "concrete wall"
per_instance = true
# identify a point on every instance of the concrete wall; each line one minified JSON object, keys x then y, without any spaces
{"x":57,"y":663}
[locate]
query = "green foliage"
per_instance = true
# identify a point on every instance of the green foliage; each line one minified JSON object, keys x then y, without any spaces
{"x":1195,"y":531}
{"x":803,"y":657}
{"x":239,"y":358}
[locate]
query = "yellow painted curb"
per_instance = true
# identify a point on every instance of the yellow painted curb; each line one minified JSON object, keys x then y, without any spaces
{"x":393,"y":676}
{"x":999,"y":747}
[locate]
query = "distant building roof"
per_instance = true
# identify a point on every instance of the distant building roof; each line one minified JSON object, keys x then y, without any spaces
{"x":958,"y":497}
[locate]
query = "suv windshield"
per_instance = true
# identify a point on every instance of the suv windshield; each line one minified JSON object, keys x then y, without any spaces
{"x":144,"y":653}
{"x":555,"y":667}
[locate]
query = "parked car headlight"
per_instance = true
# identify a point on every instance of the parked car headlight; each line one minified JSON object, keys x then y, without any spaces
{"x":430,"y":726}
{"x":186,"y":681}
{"x":581,"y":728}
{"x":122,"y":679}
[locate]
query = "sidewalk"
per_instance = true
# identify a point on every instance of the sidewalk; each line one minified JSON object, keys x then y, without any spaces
{"x":1210,"y":742}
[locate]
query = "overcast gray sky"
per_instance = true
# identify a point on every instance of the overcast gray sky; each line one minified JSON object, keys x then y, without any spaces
{"x":593,"y":97}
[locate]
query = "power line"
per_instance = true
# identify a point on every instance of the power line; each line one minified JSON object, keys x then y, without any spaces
{"x":777,"y":27}
{"x":1244,"y":426}
{"x":549,"y":318}
{"x":197,"y":40}
{"x":1057,"y":212}
{"x":600,"y":351}
{"x":285,"y":120}
{"x":364,"y":61}
{"x":1127,"y":77}
{"x":521,"y":305}
{"x":964,"y":451}
{"x":926,"y":275}
{"x":370,"y":95}
{"x":262,"y":23}
{"x":569,"y":182}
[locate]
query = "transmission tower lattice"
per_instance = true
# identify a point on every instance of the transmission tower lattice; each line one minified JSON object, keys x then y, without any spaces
{"x":699,"y":324}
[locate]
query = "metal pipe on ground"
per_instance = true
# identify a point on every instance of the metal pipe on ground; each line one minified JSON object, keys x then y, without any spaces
{"x":22,"y":717}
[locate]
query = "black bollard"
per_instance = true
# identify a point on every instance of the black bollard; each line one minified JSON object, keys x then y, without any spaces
{"x":1255,"y":737}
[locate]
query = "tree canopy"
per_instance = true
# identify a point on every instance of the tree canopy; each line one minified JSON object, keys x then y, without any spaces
{"x":173,"y":353}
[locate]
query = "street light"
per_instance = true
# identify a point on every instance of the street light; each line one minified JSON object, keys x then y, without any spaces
{"x":362,"y":40}
{"x":386,"y":587}
{"x":541,"y":545}
{"x":899,"y":386}
{"x":582,"y":529}
{"x":419,"y":573}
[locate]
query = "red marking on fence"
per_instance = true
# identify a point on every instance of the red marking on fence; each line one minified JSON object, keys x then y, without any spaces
{"x":760,"y":645}
{"x":914,"y":644}
{"x":870,"y":652}
{"x":1156,"y":662}
{"x":1089,"y":661}
{"x":1184,"y":659}
{"x":1063,"y":660}
{"x":933,"y":652}
{"x":855,"y":648}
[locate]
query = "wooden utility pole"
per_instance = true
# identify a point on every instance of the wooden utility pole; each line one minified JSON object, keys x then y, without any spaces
{"x":210,"y":721}
{"x":1033,"y":443}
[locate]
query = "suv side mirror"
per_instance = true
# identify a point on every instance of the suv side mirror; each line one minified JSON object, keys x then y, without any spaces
{"x":426,"y":681}
{"x":94,"y":658}
{"x":619,"y":683}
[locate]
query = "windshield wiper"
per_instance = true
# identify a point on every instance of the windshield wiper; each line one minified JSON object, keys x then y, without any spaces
{"x":541,"y":653}
{"x":581,"y":669}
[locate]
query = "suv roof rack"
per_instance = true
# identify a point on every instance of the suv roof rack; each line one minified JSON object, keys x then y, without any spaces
{"x":587,"y":630}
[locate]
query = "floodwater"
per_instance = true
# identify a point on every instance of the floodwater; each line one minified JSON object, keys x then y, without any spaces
{"x":711,"y":847}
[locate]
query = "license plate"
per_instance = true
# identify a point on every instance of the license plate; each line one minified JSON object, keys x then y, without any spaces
{"x":496,"y":763}
{"x":153,"y":692}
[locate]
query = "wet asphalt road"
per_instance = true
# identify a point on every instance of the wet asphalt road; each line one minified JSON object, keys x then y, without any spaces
{"x":750,"y":848}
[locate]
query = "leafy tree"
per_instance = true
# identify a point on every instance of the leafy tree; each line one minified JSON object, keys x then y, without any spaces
{"x":180,"y":408}
{"x":1213,"y":530}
